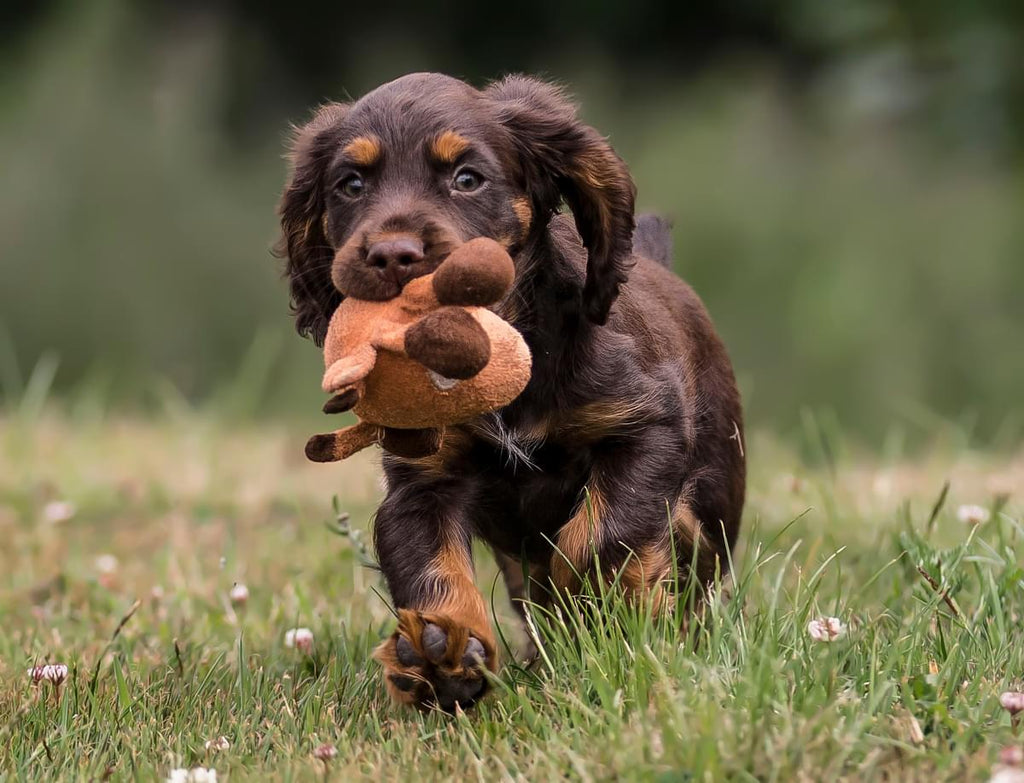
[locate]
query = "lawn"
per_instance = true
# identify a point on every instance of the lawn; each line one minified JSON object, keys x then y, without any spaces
{"x":124,"y":537}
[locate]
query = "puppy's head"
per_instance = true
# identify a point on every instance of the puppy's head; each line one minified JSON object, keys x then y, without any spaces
{"x":382,"y":190}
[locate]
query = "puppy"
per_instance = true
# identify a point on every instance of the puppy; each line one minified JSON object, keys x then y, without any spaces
{"x":626,"y":449}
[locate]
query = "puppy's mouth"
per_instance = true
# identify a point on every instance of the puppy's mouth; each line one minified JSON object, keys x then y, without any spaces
{"x":379,"y":267}
{"x":361,"y":280}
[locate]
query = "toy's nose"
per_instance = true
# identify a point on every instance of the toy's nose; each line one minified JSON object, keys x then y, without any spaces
{"x":396,"y":259}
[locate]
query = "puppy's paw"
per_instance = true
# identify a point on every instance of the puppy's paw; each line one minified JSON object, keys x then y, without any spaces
{"x":434,"y":661}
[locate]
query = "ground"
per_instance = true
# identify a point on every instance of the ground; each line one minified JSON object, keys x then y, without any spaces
{"x":99,"y":512}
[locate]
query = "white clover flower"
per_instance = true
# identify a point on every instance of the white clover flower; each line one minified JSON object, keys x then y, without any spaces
{"x":325,"y":752}
{"x":1007,"y":775}
{"x":54,"y":673}
{"x":194,"y":775}
{"x":57,"y":511}
{"x":1012,"y":702}
{"x":826,"y":629}
{"x":299,"y":638}
{"x":971,"y":514}
{"x":106,"y":564}
{"x":239,"y":594}
{"x":221,"y":743}
{"x":881,"y":485}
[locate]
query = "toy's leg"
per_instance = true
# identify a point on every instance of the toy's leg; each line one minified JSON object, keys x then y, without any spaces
{"x":391,"y":338}
{"x":444,"y":638}
{"x":334,"y":446}
{"x":450,"y":342}
{"x":349,"y":369}
{"x":343,"y":401}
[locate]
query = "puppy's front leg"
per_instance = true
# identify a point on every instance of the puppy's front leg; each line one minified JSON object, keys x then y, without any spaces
{"x":444,"y":637}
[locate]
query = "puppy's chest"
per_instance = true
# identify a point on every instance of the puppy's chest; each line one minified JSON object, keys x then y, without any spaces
{"x":526,"y":484}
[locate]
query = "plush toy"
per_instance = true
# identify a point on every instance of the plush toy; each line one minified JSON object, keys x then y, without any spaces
{"x":430,"y":357}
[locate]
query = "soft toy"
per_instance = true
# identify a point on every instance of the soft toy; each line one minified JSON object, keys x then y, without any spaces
{"x":430,"y":357}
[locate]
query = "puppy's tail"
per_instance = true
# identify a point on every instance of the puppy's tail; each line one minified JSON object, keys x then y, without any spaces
{"x":652,"y":238}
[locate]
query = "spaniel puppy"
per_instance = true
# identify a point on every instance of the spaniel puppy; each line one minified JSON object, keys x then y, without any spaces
{"x":626,"y":449}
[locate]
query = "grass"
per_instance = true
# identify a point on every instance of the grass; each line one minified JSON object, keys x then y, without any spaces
{"x":189,"y":506}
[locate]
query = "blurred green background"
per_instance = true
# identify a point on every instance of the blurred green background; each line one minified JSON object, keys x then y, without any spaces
{"x":845,"y":181}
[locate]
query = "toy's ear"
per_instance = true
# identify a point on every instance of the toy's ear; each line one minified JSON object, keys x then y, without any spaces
{"x":562,"y":157}
{"x":303,"y":233}
{"x":476,"y":274}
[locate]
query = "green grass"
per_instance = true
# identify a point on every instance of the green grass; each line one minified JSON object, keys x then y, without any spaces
{"x":190,"y":505}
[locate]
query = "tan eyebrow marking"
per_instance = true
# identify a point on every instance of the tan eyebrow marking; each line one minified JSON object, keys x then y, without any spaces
{"x":363,"y":150}
{"x":447,"y":147}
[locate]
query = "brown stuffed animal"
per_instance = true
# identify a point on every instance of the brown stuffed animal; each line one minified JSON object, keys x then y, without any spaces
{"x":430,"y":357}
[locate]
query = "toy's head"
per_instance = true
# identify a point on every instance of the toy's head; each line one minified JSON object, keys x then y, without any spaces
{"x":428,"y":358}
{"x":433,"y":355}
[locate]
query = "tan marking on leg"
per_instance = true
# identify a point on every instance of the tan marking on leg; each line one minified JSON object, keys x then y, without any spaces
{"x":690,"y":538}
{"x":577,"y":540}
{"x":452,"y":592}
{"x":645,"y":572}
{"x":363,"y":150}
{"x":447,"y":147}
{"x":454,"y":605}
{"x":685,"y":525}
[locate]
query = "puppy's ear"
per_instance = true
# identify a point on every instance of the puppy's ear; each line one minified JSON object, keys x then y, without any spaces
{"x":562,"y":157}
{"x":304,"y":240}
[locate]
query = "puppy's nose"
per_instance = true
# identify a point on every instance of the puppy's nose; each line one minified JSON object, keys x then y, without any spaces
{"x":396,"y":258}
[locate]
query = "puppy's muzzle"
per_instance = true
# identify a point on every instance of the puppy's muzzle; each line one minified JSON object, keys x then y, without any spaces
{"x":397,"y":261}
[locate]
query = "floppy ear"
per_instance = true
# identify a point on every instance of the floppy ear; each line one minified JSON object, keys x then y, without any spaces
{"x":564,"y":158}
{"x":303,"y":235}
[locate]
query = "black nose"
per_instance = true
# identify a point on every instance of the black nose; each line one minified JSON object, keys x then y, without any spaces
{"x":396,"y":258}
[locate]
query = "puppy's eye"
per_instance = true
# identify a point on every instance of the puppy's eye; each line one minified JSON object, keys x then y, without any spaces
{"x":352,"y":186}
{"x":467,"y":180}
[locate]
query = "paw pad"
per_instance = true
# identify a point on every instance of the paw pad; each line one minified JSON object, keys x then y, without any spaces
{"x":435,"y":663}
{"x":435,"y":642}
{"x":475,"y":655}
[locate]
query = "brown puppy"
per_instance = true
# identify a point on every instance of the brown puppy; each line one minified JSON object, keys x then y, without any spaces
{"x":628,"y":441}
